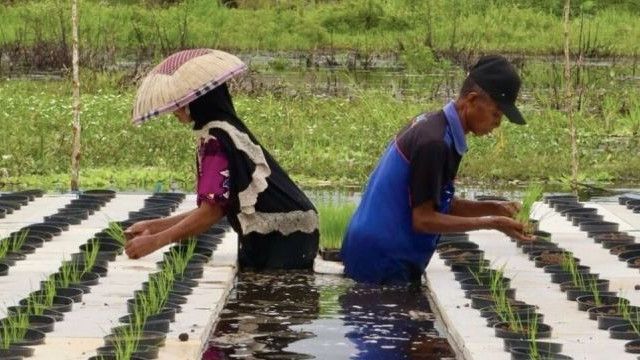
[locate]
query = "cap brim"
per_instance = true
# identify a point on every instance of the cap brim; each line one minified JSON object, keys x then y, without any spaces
{"x":512,"y":113}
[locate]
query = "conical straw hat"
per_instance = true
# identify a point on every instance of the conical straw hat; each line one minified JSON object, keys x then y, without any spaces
{"x":182,"y":78}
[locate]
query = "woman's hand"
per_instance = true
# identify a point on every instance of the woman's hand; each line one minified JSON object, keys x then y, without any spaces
{"x":142,"y":245}
{"x":139,"y":228}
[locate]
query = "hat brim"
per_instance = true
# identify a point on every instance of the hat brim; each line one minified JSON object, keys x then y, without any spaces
{"x":512,"y":113}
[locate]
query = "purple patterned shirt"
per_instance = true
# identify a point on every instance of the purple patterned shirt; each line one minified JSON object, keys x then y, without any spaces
{"x":213,"y":173}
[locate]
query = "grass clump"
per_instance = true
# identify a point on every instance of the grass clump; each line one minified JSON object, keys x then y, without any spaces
{"x":334,"y":219}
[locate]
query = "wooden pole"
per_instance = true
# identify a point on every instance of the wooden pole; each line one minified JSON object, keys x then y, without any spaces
{"x":568,"y":96}
{"x":75,"y":153}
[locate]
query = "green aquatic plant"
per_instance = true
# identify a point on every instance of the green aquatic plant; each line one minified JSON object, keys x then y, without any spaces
{"x":334,"y":219}
{"x":531,"y":195}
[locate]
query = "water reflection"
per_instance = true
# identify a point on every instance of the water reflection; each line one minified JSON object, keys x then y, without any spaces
{"x":310,"y":316}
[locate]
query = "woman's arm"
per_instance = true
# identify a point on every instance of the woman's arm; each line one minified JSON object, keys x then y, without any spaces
{"x":156,"y":225}
{"x":193,"y":223}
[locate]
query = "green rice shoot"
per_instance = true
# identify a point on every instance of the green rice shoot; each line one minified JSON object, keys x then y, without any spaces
{"x":91,"y":254}
{"x":116,"y":232}
{"x":125,"y":341}
{"x":533,"y":194}
{"x":17,"y":240}
{"x":13,"y":329}
{"x":5,"y":245}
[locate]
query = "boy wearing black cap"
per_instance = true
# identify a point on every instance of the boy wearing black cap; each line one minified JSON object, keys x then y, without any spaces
{"x":409,"y":199}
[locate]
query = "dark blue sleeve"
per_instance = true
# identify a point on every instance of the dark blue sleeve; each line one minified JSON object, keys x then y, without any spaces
{"x":427,"y":171}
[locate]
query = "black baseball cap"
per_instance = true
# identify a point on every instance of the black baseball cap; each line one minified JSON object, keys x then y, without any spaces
{"x":498,"y":78}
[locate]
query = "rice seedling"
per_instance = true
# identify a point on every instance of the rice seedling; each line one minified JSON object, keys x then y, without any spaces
{"x":13,"y":329}
{"x":593,"y":287}
{"x":570,"y":265}
{"x":502,"y":304}
{"x":158,"y":291}
{"x":624,"y":309}
{"x":5,"y":245}
{"x":90,"y":254}
{"x":532,"y":336}
{"x":334,"y":219}
{"x":153,"y":300}
{"x":116,"y":232}
{"x":634,"y":321}
{"x":17,"y":240}
{"x":577,"y":279}
{"x":495,"y":280}
{"x":533,"y":194}
{"x":476,"y":277}
{"x":515,"y":323}
{"x":36,"y":304}
{"x":139,"y":315}
{"x":70,"y":273}
{"x":178,"y":260}
{"x":126,"y":341}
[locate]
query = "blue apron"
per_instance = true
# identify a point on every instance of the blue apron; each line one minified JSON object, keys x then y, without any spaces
{"x":380,"y":245}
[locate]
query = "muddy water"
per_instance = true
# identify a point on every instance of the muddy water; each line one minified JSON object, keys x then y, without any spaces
{"x":311,"y":316}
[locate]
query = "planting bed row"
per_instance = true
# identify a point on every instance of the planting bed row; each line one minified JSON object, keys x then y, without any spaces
{"x":579,"y":336}
{"x":101,"y":292}
{"x":12,"y":202}
{"x":27,"y":239}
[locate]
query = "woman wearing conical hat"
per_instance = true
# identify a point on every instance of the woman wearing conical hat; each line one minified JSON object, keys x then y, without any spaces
{"x":276,"y":223}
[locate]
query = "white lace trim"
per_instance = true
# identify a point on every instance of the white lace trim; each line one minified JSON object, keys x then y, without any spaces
{"x":250,"y":220}
{"x":249,"y":196}
{"x":284,"y":222}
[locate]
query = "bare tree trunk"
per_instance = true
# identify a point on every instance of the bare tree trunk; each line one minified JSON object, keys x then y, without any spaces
{"x":75,"y":153}
{"x":568,"y":96}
